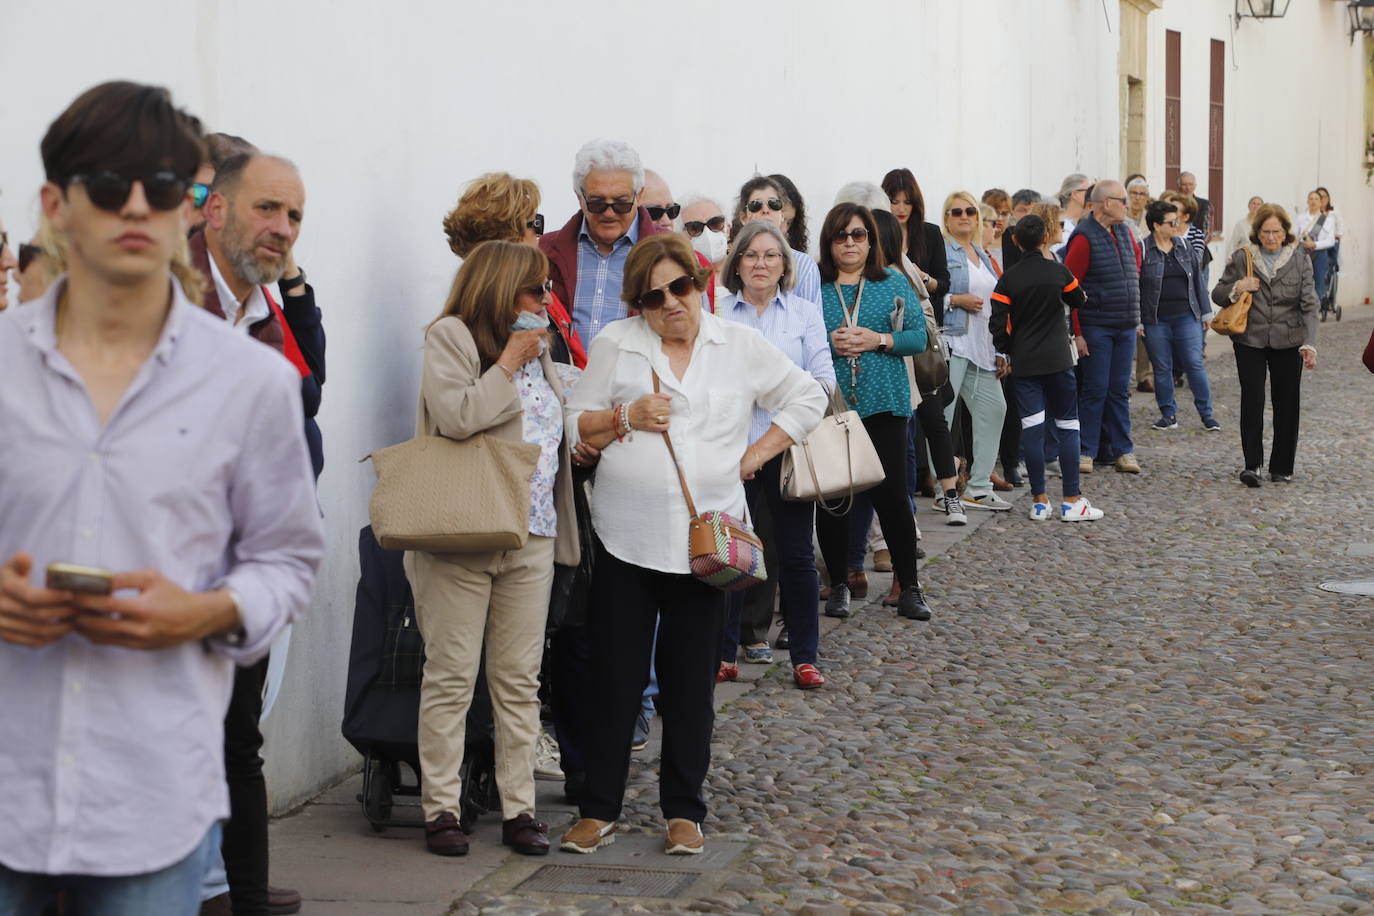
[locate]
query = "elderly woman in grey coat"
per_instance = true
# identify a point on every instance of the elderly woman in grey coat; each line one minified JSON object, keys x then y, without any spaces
{"x":1279,"y":340}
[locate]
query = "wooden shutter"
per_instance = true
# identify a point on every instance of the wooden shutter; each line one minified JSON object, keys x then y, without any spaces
{"x":1216,"y":131}
{"x":1173,"y":91}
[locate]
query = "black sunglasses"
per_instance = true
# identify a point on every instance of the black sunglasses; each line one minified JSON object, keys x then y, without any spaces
{"x":966,"y":211}
{"x":27,"y":253}
{"x":537,"y":224}
{"x":695,"y":227}
{"x":657,"y":213}
{"x":599,"y":206}
{"x":858,"y":235}
{"x":163,"y":189}
{"x":539,"y":292}
{"x":755,"y":206}
{"x":655,"y":298}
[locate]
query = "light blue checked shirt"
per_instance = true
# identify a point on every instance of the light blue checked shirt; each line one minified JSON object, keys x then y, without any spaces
{"x":596,"y":301}
{"x":796,"y":327}
{"x":808,"y":278}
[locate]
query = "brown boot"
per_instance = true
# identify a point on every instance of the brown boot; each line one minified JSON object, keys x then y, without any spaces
{"x":893,"y":594}
{"x":858,"y":583}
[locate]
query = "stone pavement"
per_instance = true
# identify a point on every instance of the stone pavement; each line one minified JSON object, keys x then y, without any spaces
{"x":1156,"y":713}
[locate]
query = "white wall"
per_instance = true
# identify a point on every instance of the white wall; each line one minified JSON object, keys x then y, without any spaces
{"x":390,"y":109}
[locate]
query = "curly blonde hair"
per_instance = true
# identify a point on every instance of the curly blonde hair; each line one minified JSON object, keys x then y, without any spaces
{"x":494,"y":207}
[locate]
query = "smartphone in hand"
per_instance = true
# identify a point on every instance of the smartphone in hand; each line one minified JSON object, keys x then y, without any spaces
{"x":87,"y":580}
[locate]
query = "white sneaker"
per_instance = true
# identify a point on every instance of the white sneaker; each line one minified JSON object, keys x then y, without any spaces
{"x":1081,"y":511}
{"x":985,"y":499}
{"x":954,"y":511}
{"x":546,"y":757}
{"x":1040,"y":512}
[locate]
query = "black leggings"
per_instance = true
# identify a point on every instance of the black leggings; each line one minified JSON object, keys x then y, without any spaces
{"x":890,"y":501}
{"x":930,"y":415}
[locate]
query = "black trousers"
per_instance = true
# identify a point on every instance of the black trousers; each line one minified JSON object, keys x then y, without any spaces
{"x":245,"y":833}
{"x":1284,"y":369}
{"x":1009,"y":448}
{"x":890,"y":501}
{"x":752,"y":608}
{"x":691,"y":614}
{"x":930,"y":417}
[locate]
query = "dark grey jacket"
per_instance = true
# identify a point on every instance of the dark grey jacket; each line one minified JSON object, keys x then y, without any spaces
{"x":1284,"y":312}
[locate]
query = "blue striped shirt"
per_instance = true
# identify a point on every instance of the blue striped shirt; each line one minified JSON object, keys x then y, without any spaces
{"x":808,"y":277}
{"x":596,"y":301}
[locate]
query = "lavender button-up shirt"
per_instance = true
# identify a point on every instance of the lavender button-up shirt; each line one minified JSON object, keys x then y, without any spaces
{"x":112,"y":759}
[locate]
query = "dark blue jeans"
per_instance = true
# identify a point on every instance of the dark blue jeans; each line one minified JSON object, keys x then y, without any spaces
{"x":1039,"y":398}
{"x":1104,"y":406}
{"x":1321,"y":264}
{"x":1175,"y":343}
{"x":798,"y":583}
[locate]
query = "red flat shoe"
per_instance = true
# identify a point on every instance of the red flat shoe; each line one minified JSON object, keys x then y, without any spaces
{"x":728,"y":671}
{"x":807,"y":677}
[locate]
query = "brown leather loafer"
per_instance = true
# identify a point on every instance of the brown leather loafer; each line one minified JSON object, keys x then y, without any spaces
{"x":526,"y":835}
{"x":684,"y":838}
{"x":858,"y":583}
{"x":283,"y":901}
{"x":998,"y":483}
{"x":588,"y":835}
{"x":444,"y":837}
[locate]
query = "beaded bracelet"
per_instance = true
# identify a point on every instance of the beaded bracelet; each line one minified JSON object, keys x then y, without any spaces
{"x":625,"y":418}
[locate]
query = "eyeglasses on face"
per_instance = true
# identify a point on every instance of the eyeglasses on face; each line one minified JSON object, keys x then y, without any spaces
{"x":654,"y":298}
{"x":163,"y":188}
{"x":657,"y":213}
{"x":755,"y":206}
{"x":771,"y":258}
{"x":695,"y":227}
{"x":1171,"y":222}
{"x":27,"y":253}
{"x":859,"y":235}
{"x":537,"y":224}
{"x":599,"y":205}
{"x":1121,"y":199}
{"x":966,"y":211}
{"x":539,"y":292}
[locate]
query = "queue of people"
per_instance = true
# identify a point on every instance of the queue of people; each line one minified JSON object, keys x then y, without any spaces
{"x":657,"y":357}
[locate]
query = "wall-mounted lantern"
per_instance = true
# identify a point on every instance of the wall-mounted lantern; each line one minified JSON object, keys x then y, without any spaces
{"x":1261,"y":9}
{"x":1361,"y":17}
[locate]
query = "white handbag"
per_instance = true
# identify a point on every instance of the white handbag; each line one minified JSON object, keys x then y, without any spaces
{"x":837,"y":460}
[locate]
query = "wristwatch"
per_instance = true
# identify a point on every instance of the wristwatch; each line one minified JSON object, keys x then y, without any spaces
{"x":882,"y":343}
{"x":287,"y":285}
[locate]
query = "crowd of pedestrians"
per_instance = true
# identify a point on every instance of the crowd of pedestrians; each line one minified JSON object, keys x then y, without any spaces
{"x":660,"y":357}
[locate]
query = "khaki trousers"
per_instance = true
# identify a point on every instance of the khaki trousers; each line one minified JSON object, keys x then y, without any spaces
{"x":459,"y":599}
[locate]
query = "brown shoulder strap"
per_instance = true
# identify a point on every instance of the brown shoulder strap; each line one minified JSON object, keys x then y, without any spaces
{"x":1249,"y":262}
{"x":681,"y":478}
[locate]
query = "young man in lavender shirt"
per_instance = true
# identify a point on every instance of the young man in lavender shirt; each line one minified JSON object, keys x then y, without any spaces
{"x":145,"y":437}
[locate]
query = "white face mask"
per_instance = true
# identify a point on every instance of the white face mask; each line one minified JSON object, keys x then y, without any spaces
{"x":711,"y":245}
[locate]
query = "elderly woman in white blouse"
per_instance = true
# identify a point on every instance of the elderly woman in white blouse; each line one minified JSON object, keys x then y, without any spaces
{"x":710,"y":375}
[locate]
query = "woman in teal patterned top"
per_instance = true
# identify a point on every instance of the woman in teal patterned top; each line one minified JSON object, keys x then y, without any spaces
{"x":858,"y":297}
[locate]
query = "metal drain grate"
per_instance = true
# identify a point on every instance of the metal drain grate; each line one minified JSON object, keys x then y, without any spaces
{"x":611,"y":882}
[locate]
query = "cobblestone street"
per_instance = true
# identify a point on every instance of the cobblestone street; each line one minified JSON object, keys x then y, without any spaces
{"x":1157,"y":713}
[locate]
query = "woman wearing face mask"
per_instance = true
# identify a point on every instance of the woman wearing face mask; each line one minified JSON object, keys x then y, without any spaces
{"x":487,"y":369}
{"x":704,"y":222}
{"x":764,"y":198}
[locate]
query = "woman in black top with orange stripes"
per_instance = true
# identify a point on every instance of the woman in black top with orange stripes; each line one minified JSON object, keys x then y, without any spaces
{"x":1031,"y":315}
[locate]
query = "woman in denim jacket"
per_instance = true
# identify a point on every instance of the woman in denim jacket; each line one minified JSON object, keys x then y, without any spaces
{"x":974,"y":366}
{"x":1173,"y":297}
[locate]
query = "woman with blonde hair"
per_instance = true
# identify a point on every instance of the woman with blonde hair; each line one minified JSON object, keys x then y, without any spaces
{"x":487,"y":370}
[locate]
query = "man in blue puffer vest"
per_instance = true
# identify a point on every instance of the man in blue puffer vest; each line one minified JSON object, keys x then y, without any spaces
{"x":1104,"y":256}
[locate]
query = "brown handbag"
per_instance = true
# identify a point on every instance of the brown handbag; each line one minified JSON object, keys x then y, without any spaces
{"x":1233,"y":320}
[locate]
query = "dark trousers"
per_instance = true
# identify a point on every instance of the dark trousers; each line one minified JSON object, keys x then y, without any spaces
{"x":930,"y":420}
{"x":1009,"y":447}
{"x":890,"y":500}
{"x":626,"y":599}
{"x":245,"y":833}
{"x":794,"y":570}
{"x":1104,"y":402}
{"x":749,"y":613}
{"x":570,"y":670}
{"x":1284,"y":368}
{"x":1042,"y":398}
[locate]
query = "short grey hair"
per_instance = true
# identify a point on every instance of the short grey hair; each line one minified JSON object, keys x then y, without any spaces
{"x":1138,"y":183}
{"x":1071,"y":183}
{"x":691,"y":200}
{"x":729,"y":271}
{"x":1025,"y":197}
{"x":602,"y":155}
{"x":865,"y":194}
{"x":1103,"y":189}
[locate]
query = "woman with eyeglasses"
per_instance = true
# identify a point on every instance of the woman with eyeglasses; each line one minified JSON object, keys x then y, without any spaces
{"x":671,"y":368}
{"x":1280,"y":339}
{"x":488,"y":369}
{"x":975,"y":367}
{"x":764,"y":198}
{"x":859,"y":300}
{"x":499,"y":207}
{"x":1173,"y":299}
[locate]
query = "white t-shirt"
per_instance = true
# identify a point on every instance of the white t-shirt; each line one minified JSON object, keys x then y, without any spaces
{"x":976,"y":345}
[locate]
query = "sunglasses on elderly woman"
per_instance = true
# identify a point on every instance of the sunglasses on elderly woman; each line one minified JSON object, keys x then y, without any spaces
{"x":539,"y":292}
{"x":657,"y":213}
{"x":755,"y":206}
{"x":695,"y":227}
{"x":655,"y":298}
{"x":599,"y":205}
{"x":966,"y":211}
{"x":163,"y":189}
{"x":858,"y":235}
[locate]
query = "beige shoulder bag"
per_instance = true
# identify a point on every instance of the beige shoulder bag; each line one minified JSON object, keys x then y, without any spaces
{"x":837,"y":460}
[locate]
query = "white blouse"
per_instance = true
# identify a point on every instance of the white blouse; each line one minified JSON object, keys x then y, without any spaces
{"x":637,"y":506}
{"x":976,"y":346}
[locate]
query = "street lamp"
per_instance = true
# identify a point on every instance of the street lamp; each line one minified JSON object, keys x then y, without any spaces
{"x":1262,"y":9}
{"x":1361,"y":17}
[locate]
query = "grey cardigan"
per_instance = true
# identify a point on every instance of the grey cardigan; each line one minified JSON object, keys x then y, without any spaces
{"x":1283,"y":314}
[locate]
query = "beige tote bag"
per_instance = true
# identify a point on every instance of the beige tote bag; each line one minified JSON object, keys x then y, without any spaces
{"x":837,"y":459}
{"x":453,"y":496}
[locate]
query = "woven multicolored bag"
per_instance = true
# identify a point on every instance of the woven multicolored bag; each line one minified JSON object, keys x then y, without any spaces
{"x":724,"y":551}
{"x":721,"y":550}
